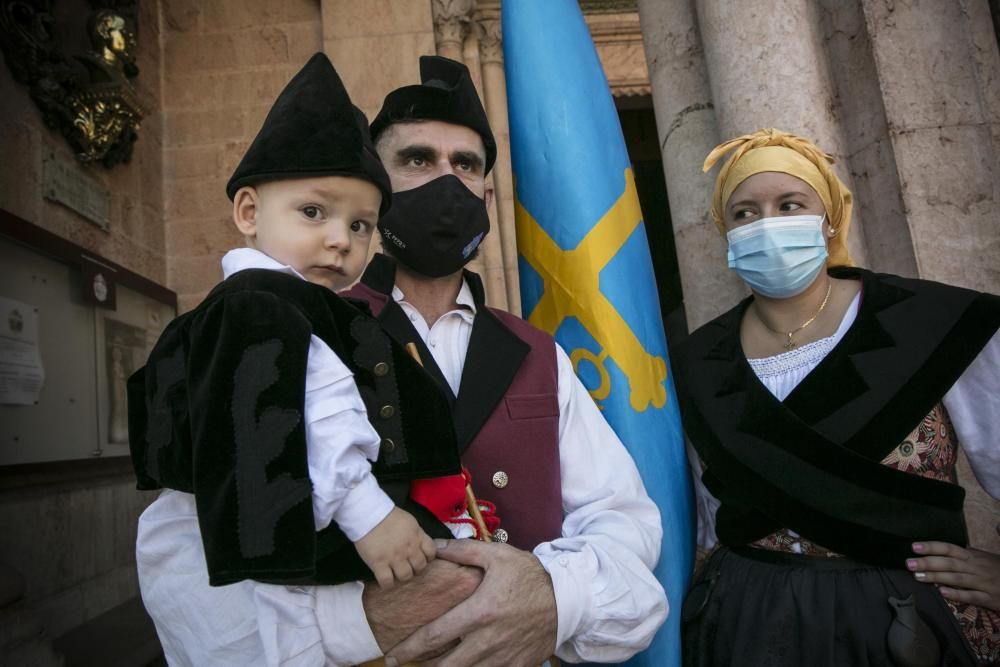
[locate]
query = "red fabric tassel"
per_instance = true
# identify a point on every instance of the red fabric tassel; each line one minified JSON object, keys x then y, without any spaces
{"x":445,"y":498}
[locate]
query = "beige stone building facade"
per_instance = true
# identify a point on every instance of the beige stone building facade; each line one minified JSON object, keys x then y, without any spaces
{"x":906,"y":96}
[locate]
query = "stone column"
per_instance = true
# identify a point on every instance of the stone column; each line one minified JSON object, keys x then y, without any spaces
{"x":452,"y":33}
{"x":687,"y":130}
{"x":488,"y":33}
{"x":939,"y":76}
{"x":491,"y":252}
{"x":768,"y":68}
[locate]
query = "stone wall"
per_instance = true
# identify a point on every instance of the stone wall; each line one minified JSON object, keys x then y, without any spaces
{"x":224,"y":63}
{"x":73,"y":543}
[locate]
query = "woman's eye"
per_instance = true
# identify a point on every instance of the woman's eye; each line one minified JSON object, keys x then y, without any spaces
{"x":790,"y":206}
{"x":743,"y":214}
{"x":311,"y":212}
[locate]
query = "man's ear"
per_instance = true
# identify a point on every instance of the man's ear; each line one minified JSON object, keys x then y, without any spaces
{"x":245,"y":204}
{"x":488,"y":194}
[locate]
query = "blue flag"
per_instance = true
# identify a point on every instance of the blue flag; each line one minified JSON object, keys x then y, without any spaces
{"x":586,"y":274}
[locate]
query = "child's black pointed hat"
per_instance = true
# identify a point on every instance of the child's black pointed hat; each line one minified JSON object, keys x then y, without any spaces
{"x":312,"y":130}
{"x":446,"y":93}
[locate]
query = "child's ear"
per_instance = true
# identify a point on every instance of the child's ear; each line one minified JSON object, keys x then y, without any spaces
{"x":245,"y":211}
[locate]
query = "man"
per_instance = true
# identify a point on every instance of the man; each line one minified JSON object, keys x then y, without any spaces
{"x":578,"y":583}
{"x":575,"y":578}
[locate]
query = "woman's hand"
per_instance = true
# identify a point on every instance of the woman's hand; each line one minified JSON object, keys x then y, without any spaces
{"x":962,"y":575}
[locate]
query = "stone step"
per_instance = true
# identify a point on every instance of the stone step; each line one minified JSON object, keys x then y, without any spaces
{"x":23,"y":641}
{"x":123,"y":636}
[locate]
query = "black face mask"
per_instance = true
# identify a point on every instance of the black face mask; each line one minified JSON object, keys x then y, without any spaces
{"x":435,"y":228}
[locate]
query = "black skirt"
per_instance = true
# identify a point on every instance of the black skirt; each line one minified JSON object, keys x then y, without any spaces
{"x":756,"y":608}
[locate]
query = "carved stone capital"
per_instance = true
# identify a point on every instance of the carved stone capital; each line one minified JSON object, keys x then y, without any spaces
{"x":489,"y":33}
{"x":452,"y":20}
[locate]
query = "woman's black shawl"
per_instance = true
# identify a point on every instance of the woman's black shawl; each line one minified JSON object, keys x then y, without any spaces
{"x":812,"y":462}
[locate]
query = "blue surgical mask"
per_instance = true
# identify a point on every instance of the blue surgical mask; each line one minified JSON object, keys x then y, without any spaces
{"x":778,"y":257}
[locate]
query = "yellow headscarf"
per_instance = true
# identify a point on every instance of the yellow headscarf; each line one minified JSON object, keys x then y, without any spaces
{"x":774,"y":150}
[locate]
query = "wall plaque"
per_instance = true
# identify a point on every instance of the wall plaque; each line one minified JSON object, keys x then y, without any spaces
{"x":63,"y":182}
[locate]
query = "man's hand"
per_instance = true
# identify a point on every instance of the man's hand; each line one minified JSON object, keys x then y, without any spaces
{"x":510,"y":619}
{"x":394,"y":615}
{"x":963,"y":575}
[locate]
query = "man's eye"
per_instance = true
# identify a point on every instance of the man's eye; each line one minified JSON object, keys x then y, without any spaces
{"x":417,"y":162}
{"x":463,"y":166}
{"x":311,"y":212}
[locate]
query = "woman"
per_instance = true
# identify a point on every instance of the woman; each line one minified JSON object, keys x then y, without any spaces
{"x":826,"y":409}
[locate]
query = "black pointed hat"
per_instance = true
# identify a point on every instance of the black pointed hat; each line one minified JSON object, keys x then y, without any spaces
{"x":312,"y":130}
{"x":446,"y":93}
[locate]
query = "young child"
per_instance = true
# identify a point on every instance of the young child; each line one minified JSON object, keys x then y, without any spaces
{"x":252,"y":408}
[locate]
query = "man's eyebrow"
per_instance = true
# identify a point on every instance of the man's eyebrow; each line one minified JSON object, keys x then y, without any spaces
{"x":416,"y":150}
{"x":471,"y":157}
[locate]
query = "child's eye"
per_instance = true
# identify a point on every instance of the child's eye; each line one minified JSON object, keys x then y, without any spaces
{"x":311,"y":212}
{"x":360,"y":226}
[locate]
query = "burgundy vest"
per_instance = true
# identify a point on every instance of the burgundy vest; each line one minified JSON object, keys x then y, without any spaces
{"x":520,"y":437}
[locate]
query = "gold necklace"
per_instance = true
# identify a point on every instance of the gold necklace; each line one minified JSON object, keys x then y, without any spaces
{"x":788,"y":341}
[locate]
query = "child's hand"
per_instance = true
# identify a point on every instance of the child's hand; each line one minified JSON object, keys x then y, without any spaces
{"x":396,"y":549}
{"x":964,"y":575}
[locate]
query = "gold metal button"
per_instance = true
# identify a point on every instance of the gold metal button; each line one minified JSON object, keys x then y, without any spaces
{"x":381,"y":368}
{"x":386,"y":412}
{"x":388,"y":445}
{"x":500,"y":479}
{"x":500,"y":535}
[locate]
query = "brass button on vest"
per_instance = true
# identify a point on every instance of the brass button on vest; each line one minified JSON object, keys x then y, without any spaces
{"x":500,"y":479}
{"x":380,"y":369}
{"x":386,"y":412}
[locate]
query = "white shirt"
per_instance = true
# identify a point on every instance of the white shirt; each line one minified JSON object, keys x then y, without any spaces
{"x":608,"y":602}
{"x":973,"y":404}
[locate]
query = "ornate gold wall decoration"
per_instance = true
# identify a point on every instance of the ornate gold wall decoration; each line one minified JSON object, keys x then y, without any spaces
{"x":88,"y":98}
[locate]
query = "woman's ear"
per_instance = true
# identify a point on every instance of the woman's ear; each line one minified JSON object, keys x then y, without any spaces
{"x":831,"y":231}
{"x":245,"y":204}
